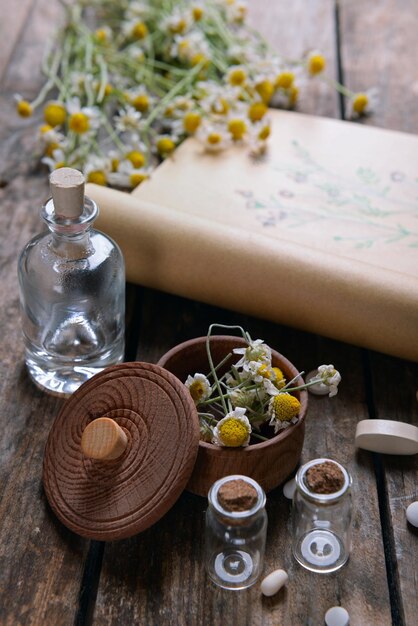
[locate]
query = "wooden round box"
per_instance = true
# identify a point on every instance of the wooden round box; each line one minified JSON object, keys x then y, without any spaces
{"x":269,"y":462}
{"x":126,"y":444}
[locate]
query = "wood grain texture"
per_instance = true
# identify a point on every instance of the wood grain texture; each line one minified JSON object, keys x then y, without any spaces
{"x":294,"y":29}
{"x":173,"y":548}
{"x":270,"y":462}
{"x":11,"y":25}
{"x":41,"y":563}
{"x":107,"y":500}
{"x":379,"y":49}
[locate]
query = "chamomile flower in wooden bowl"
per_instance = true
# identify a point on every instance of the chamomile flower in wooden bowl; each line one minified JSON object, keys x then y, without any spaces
{"x":251,"y":402}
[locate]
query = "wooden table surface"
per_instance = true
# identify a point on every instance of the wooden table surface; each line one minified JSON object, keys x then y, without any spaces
{"x":48,"y":575}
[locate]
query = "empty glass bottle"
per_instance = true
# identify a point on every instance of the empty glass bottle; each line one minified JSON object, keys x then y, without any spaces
{"x":72,"y":292}
{"x":236,"y":525}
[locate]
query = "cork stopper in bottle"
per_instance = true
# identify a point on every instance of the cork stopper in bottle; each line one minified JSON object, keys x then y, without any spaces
{"x":237,"y":495}
{"x":67,"y":189}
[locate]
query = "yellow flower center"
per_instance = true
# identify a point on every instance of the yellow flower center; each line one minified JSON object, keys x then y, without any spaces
{"x":55,"y":114}
{"x":199,"y":58}
{"x":265,"y":371}
{"x":191,"y":122}
{"x":237,"y":77}
{"x":293,"y":95}
{"x":264,"y":133}
{"x":136,"y":158}
{"x":137,"y":178}
{"x":214,"y":138}
{"x":178,"y":26}
{"x":101,"y":35}
{"x":165,"y":146}
{"x":257,"y":111}
{"x":24,"y":108}
{"x":49,"y":150}
{"x":139,"y":31}
{"x":197,"y":390}
{"x":285,"y":407}
{"x":45,"y":129}
{"x":220,"y":106}
{"x":79,"y":123}
{"x":233,"y":433}
{"x":265,"y":90}
{"x":184,"y":46}
{"x":284,"y":80}
{"x":108,"y":89}
{"x":360,"y":103}
{"x":59,"y":164}
{"x":98,"y":177}
{"x":115,"y":165}
{"x":279,"y":378}
{"x":237,"y":128}
{"x":197,"y":13}
{"x":316,"y":64}
{"x":141,"y":102}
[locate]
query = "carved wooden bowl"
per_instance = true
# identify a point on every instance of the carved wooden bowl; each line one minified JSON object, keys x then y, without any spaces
{"x":269,"y":462}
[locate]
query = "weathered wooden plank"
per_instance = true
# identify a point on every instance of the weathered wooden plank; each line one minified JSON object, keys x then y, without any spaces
{"x":11,"y":25}
{"x":158,"y":577}
{"x":23,"y":72}
{"x":295,"y":29}
{"x":379,"y":49}
{"x":41,"y":562}
{"x":394,"y":385}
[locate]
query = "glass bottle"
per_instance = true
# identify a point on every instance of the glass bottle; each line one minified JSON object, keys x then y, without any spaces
{"x":321,"y":522}
{"x":235,"y":539}
{"x":72,"y":292}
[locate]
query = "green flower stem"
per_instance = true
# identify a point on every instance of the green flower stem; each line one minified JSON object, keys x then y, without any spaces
{"x":224,"y":360}
{"x":338,"y":87}
{"x":187,"y":80}
{"x":212,"y":369}
{"x":118,"y":143}
{"x":257,"y":436}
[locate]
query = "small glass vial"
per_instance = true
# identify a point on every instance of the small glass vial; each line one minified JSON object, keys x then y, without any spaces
{"x":321,"y":516}
{"x":236,"y":524}
{"x":72,"y":292}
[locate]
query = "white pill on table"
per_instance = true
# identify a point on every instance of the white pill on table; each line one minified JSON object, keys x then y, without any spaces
{"x":289,"y":489}
{"x":412,"y":514}
{"x":273,"y":582}
{"x":337,"y":616}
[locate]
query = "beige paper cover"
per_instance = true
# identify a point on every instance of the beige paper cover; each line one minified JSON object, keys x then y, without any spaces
{"x":320,"y":234}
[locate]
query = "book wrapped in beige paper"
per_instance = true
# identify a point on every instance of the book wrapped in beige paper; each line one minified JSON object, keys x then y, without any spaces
{"x":320,"y":233}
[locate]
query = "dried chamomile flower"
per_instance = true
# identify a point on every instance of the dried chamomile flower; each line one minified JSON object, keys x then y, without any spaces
{"x":55,"y":113}
{"x":362,"y":103}
{"x":234,"y":430}
{"x":199,"y":387}
{"x":283,"y":410}
{"x":23,"y":107}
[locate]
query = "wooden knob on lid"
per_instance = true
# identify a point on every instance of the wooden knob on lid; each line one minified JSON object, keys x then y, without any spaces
{"x":104,"y":440}
{"x":67,"y":189}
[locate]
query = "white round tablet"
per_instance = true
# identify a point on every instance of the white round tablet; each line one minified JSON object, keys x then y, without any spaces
{"x":289,"y":489}
{"x":337,"y":616}
{"x":272,"y":583}
{"x":387,"y":437}
{"x":412,"y":514}
{"x":319,"y":389}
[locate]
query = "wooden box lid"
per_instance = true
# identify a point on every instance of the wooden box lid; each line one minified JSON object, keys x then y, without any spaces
{"x":112,"y":478}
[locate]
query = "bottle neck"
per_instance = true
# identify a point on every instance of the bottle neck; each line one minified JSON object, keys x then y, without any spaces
{"x":71,"y":229}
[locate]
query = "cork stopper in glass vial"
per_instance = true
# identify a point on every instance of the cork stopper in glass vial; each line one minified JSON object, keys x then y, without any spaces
{"x":237,"y":496}
{"x":67,"y":189}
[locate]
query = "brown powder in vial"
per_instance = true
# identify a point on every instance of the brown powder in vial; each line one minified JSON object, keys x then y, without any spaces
{"x":325,"y":478}
{"x":237,"y":495}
